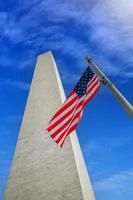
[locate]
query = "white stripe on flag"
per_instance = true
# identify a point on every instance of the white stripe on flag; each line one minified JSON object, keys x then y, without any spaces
{"x":60,"y":133}
{"x":66,"y":119}
{"x":92,"y":91}
{"x":70,"y":98}
{"x":73,"y":123}
{"x":90,"y":85}
{"x":63,"y":113}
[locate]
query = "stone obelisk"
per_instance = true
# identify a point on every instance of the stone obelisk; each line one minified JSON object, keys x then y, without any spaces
{"x":40,"y":170}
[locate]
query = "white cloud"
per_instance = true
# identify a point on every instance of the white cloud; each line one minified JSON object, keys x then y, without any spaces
{"x":15,"y":83}
{"x":106,"y":25}
{"x":122,"y":10}
{"x":19,"y":64}
{"x":106,"y":144}
{"x":121,"y":180}
{"x":106,"y":29}
{"x":111,"y":30}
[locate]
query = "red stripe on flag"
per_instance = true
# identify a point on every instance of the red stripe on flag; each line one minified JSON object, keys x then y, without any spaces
{"x":64,"y":107}
{"x":77,"y":116}
{"x":90,"y":97}
{"x":67,"y":122}
{"x":61,"y":119}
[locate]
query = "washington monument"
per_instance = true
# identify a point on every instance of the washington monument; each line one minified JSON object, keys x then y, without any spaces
{"x":40,"y":170}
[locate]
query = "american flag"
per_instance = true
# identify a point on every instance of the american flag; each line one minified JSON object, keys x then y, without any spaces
{"x":67,"y":118}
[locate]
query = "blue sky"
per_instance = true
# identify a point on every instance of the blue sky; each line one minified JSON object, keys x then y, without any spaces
{"x":72,"y":30}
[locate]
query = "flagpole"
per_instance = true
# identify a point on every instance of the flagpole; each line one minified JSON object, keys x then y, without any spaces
{"x":122,"y":100}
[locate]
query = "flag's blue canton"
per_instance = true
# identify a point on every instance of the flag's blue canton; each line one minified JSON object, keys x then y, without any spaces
{"x":81,"y":86}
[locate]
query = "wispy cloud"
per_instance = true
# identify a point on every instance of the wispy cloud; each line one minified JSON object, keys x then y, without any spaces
{"x":121,"y":180}
{"x":106,"y":144}
{"x":115,"y":186}
{"x":100,"y":150}
{"x":84,"y":27}
{"x":111,"y":31}
{"x":15,"y":83}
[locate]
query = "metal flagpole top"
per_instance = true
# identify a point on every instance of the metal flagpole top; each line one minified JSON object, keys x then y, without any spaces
{"x":98,"y":71}
{"x":88,"y":58}
{"x":123,"y":101}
